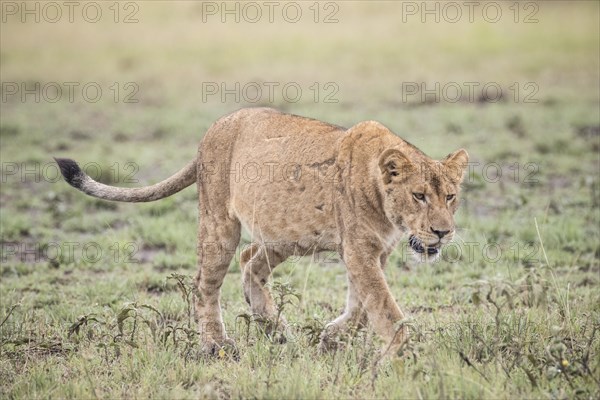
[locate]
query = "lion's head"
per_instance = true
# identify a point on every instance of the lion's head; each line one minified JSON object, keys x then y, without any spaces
{"x":422,"y":197}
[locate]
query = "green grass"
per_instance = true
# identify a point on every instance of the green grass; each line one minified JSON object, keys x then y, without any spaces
{"x":95,"y":296}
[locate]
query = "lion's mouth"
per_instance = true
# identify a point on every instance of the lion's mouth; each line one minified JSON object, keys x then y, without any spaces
{"x":418,"y":247}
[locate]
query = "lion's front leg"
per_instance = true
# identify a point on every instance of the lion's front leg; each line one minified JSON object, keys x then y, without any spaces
{"x":353,"y":317}
{"x":366,"y":277}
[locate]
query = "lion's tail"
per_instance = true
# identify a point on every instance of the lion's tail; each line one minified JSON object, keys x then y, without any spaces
{"x":80,"y":180}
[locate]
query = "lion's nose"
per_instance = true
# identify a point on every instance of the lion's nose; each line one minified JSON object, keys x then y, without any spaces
{"x":439,"y":234}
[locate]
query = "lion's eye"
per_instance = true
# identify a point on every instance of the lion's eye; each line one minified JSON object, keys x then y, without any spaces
{"x":450,"y":197}
{"x":419,"y":196}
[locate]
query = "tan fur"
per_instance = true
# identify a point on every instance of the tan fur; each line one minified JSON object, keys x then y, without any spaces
{"x":302,"y":186}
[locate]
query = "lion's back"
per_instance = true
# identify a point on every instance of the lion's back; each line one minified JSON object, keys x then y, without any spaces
{"x":279,"y":171}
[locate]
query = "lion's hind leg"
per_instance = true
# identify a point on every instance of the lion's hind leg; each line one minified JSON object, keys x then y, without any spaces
{"x":218,"y":239}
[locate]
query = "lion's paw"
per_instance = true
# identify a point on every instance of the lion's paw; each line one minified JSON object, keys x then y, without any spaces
{"x":330,"y":339}
{"x":223,"y":348}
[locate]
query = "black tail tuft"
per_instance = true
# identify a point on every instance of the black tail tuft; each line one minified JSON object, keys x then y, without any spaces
{"x":70,"y":170}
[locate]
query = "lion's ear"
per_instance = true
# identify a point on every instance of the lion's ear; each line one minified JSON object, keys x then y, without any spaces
{"x":394,"y":165}
{"x":456,"y":163}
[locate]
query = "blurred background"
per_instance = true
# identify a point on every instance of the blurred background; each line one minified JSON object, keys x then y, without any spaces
{"x":173,"y":67}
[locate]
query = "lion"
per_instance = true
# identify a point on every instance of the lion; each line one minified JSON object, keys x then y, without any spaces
{"x":301,"y":186}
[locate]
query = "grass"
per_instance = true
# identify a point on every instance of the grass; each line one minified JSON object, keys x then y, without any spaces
{"x":95,"y":296}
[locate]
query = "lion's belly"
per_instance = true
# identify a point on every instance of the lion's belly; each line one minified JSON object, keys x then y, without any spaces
{"x":288,"y":203}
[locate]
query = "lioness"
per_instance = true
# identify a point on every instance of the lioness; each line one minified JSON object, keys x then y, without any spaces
{"x":302,"y":186}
